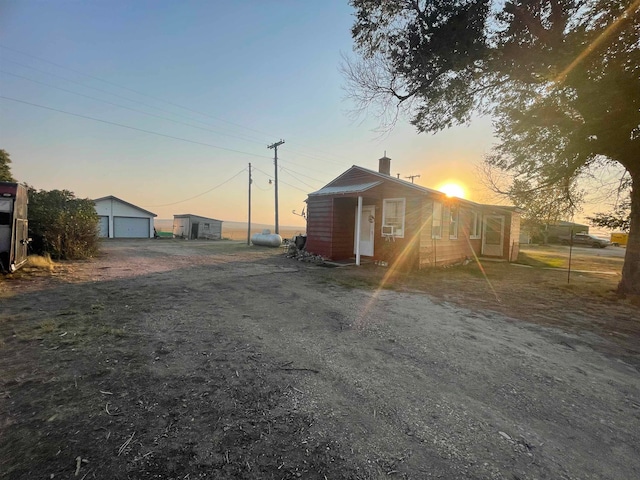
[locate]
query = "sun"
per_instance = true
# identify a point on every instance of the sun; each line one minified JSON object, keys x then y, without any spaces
{"x":452,"y":190}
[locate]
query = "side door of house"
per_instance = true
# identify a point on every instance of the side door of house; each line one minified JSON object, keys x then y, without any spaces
{"x":367,"y":230}
{"x":195,"y":226}
{"x":493,"y":235}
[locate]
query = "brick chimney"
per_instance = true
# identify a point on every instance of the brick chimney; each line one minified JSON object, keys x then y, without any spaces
{"x":384,"y":165}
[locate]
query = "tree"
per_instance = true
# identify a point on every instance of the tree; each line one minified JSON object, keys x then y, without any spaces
{"x":561,"y":79}
{"x":5,"y":170}
{"x":541,"y":205}
{"x":619,"y":217}
{"x":62,"y":225}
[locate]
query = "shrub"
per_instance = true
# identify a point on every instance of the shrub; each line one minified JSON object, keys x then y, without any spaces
{"x":62,"y":225}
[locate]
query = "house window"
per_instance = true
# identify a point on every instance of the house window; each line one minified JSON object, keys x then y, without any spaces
{"x":453,"y":222}
{"x":474,"y":228}
{"x":393,"y":215}
{"x":206,"y":227}
{"x":436,"y":220}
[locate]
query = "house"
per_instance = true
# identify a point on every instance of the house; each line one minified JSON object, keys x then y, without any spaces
{"x":120,"y":219}
{"x":194,"y":227}
{"x":364,"y":213}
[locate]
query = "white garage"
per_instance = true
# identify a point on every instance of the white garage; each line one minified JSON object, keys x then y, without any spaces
{"x":120,"y":219}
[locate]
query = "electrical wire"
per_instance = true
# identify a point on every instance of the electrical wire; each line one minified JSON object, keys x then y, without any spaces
{"x":129,"y":108}
{"x":249,"y":139}
{"x":324,"y":157}
{"x":200,"y":194}
{"x":132,"y":90}
{"x":286,"y":160}
{"x":281,"y":181}
{"x":133,"y":128}
{"x":301,"y":181}
{"x":293,"y":186}
{"x":302,"y":174}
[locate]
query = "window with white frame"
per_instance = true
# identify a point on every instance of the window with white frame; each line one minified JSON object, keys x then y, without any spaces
{"x":206,"y":227}
{"x":474,"y":227}
{"x":393,"y":215}
{"x":436,"y":220}
{"x":453,"y":222}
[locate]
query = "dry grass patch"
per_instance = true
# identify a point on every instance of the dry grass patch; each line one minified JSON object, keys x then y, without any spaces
{"x":43,"y":262}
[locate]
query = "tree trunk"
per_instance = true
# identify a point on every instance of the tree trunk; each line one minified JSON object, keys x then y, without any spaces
{"x":630,"y":282}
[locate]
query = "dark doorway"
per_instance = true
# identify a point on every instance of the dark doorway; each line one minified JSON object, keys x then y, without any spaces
{"x":194,"y":231}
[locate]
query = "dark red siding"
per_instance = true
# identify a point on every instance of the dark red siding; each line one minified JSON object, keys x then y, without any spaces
{"x":319,"y":225}
{"x":331,"y":223}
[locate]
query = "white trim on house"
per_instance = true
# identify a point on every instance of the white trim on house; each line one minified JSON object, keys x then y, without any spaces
{"x":475,"y":232}
{"x":396,"y":221}
{"x":436,"y":220}
{"x":454,"y":211}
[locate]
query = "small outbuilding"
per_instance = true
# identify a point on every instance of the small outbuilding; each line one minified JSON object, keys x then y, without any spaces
{"x":120,"y":219}
{"x":195,"y":227}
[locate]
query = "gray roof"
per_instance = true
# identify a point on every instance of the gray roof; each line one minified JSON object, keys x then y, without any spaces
{"x":344,"y":189}
{"x":187,"y":215}
{"x":111,"y":197}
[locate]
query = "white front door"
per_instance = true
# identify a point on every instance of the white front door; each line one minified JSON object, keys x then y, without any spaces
{"x":367,"y":230}
{"x":493,"y":235}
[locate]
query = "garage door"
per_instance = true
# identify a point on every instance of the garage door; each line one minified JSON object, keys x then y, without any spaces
{"x":103,"y":227}
{"x":130,"y":227}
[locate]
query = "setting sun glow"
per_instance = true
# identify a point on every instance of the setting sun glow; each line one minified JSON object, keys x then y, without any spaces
{"x":452,"y":190}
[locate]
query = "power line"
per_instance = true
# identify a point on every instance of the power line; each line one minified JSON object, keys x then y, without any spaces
{"x":301,"y":174}
{"x":306,"y":167}
{"x":128,"y":108}
{"x":131,"y":90}
{"x":132,"y":128}
{"x":288,"y":184}
{"x":249,"y":139}
{"x":301,"y":181}
{"x":297,"y":188}
{"x":324,"y":158}
{"x":200,"y":194}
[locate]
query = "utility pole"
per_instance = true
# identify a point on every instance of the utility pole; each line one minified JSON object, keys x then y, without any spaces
{"x":275,"y":146}
{"x":412,"y":177}
{"x":249,"y":221}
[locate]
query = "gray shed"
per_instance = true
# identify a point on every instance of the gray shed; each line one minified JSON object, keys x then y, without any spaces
{"x":195,"y":227}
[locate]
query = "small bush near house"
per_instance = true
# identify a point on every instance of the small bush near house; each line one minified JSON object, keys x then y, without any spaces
{"x":62,"y":225}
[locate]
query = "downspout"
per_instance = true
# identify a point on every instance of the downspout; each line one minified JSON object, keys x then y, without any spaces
{"x":358,"y":226}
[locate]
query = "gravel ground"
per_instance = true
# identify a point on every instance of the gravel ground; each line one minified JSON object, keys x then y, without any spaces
{"x":165,"y":359}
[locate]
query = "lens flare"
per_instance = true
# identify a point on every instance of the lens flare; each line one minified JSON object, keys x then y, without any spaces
{"x":452,"y":190}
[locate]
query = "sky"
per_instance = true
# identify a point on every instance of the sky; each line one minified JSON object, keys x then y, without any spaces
{"x":165,"y":104}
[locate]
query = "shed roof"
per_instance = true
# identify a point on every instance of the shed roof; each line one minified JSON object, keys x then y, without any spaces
{"x":383,"y":178}
{"x":344,"y":189}
{"x":361,"y":187}
{"x":187,"y":215}
{"x":111,"y":197}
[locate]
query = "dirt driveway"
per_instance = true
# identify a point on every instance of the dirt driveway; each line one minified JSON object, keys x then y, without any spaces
{"x":182,"y":360}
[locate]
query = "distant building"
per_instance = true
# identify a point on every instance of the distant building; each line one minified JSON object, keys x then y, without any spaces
{"x":120,"y":219}
{"x":195,"y":227}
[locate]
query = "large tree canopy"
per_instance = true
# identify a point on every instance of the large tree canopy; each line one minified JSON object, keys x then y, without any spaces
{"x":561,"y":78}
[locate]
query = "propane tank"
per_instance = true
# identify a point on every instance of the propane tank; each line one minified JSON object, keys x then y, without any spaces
{"x":266,"y":239}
